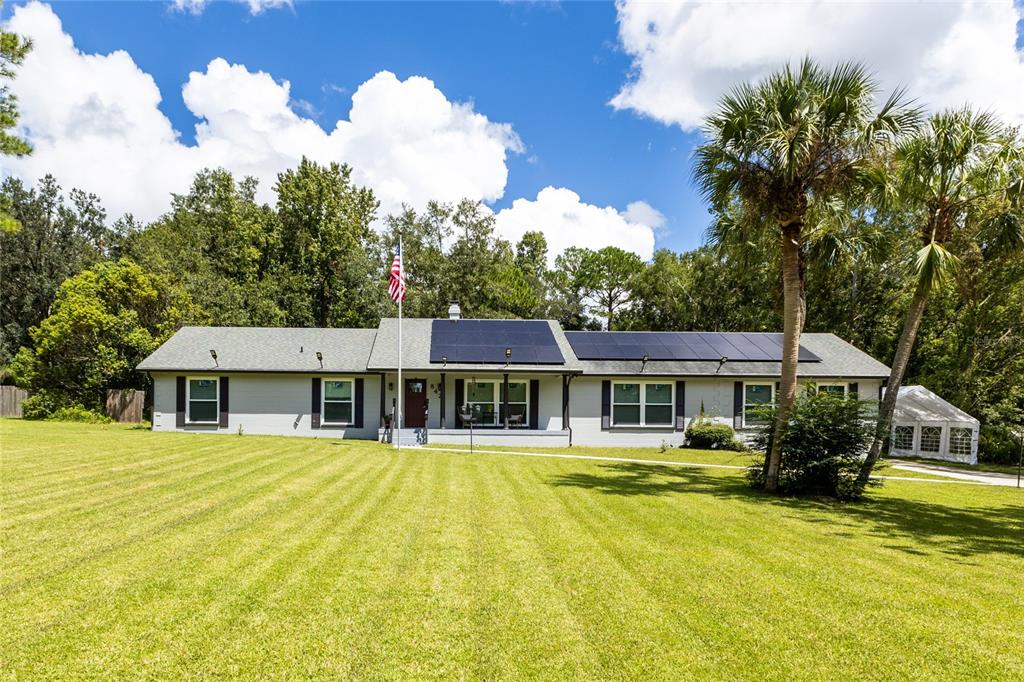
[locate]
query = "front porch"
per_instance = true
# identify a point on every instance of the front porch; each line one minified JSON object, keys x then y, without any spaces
{"x":512,"y":408}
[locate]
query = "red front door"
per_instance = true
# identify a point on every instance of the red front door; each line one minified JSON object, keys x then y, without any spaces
{"x":415,"y":406}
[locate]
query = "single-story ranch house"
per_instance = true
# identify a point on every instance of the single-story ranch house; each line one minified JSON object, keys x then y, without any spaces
{"x":522,"y":382}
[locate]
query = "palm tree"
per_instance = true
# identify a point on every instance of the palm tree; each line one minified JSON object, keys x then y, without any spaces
{"x":960,"y":168}
{"x":778,"y":148}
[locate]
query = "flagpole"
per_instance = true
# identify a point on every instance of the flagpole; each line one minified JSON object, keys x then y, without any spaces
{"x":400,"y":387}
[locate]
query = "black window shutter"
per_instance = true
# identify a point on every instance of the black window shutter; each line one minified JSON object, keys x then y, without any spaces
{"x":460,"y":393}
{"x":881,"y":390}
{"x":853,"y":390}
{"x":358,"y":423}
{"x":680,"y":406}
{"x":534,"y":403}
{"x":737,"y":404}
{"x":315,"y":411}
{"x":606,"y":405}
{"x":179,"y":402}
{"x":225,"y":406}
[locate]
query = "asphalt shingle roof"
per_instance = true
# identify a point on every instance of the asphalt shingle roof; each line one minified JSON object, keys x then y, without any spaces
{"x":263,"y":349}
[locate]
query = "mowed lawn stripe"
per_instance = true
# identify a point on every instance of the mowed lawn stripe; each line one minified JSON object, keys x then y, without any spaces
{"x":280,"y":557}
{"x":141,"y":566}
{"x":85,"y":533}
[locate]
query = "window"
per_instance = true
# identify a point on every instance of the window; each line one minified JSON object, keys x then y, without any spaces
{"x":486,"y":399}
{"x":517,"y":404}
{"x":931,"y":437}
{"x":903,"y":437}
{"x":626,"y":405}
{"x":203,"y":395}
{"x":960,"y":441}
{"x":642,"y":404}
{"x":838,"y":390}
{"x":757,"y":400}
{"x":338,"y":401}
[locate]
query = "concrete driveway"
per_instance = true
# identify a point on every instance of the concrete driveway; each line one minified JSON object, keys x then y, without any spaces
{"x":960,"y":474}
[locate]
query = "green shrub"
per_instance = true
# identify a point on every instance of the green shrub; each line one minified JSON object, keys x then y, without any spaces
{"x":77,"y":413}
{"x":709,"y":435}
{"x":827,"y":437}
{"x":57,"y":405}
{"x":998,"y":445}
{"x":43,"y":403}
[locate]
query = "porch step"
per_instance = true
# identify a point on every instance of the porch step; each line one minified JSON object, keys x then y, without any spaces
{"x":411,"y":438}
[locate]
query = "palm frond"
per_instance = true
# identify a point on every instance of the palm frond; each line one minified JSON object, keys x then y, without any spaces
{"x":934,"y":265}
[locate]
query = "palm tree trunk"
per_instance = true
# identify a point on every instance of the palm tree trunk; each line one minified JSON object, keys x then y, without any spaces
{"x":892,"y":389}
{"x":792,"y":323}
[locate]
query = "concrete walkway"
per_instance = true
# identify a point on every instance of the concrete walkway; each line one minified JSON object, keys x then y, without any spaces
{"x":987,"y":477}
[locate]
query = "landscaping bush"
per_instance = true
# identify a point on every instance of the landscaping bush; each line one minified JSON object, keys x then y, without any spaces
{"x":998,"y":445}
{"x":77,"y":413}
{"x":53,"y":404}
{"x":42,"y":403}
{"x":822,"y":450}
{"x":709,"y":435}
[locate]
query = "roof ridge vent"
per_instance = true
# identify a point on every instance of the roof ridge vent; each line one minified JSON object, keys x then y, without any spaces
{"x":454,"y":311}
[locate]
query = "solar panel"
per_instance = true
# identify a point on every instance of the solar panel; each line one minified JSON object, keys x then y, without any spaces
{"x":485,"y":341}
{"x":741,"y":347}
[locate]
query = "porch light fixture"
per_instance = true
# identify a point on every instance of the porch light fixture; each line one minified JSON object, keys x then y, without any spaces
{"x":720,"y":363}
{"x":320,"y":358}
{"x":213,"y":354}
{"x":643,"y":362}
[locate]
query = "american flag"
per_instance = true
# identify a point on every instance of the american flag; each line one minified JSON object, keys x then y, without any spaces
{"x":396,"y":285}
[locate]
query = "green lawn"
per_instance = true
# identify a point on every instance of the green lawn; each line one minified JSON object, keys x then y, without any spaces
{"x":131,"y":554}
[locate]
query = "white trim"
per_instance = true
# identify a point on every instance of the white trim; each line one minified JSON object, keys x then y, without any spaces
{"x":755,"y":383}
{"x":643,"y":384}
{"x":323,"y":401}
{"x":188,"y":400}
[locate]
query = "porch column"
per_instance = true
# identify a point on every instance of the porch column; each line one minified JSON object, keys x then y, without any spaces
{"x":383,"y":382}
{"x":565,"y":402}
{"x":444,"y":421}
{"x":504,"y":400}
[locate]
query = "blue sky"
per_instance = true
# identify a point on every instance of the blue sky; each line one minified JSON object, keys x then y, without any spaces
{"x":548,"y":70}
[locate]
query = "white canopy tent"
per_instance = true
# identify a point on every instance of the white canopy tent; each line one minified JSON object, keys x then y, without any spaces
{"x":925,"y":425}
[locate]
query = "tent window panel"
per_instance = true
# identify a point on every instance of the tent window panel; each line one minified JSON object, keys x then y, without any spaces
{"x":903,"y":438}
{"x":960,"y":441}
{"x":931,"y":438}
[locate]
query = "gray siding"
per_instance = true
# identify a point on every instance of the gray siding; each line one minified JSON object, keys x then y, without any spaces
{"x":279,"y":404}
{"x":267,"y":404}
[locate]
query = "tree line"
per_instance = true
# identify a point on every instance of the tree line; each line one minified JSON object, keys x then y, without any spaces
{"x":899,"y":232}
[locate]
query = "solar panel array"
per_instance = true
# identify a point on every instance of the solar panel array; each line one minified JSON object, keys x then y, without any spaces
{"x":681,"y":346}
{"x":485,"y":341}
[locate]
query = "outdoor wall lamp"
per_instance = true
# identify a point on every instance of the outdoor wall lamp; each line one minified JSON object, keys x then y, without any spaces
{"x":213,"y":354}
{"x":320,"y":358}
{"x":720,"y":363}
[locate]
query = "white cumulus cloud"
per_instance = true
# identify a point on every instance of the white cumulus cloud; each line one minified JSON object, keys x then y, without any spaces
{"x":686,"y":55}
{"x":255,"y":6}
{"x":95,"y":124}
{"x":566,"y":221}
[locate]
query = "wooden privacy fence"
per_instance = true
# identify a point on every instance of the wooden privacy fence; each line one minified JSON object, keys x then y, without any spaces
{"x":10,"y":400}
{"x":125,"y":404}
